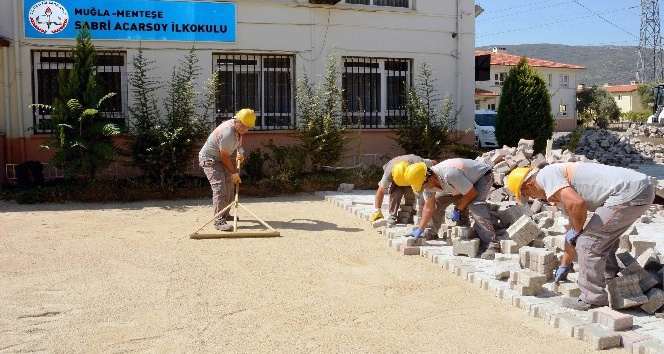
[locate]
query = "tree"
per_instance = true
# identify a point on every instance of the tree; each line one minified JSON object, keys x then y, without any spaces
{"x":425,"y":130}
{"x":164,"y":145}
{"x":320,"y":112}
{"x":597,"y":105}
{"x":645,"y":92}
{"x":524,"y":111}
{"x":83,"y":137}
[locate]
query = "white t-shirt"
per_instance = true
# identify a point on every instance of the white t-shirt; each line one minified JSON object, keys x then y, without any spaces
{"x":224,"y":137}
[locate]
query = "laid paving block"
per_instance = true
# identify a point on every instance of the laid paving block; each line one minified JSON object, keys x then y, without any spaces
{"x":625,"y":292}
{"x":566,"y":321}
{"x":464,"y":270}
{"x":630,"y":338}
{"x":544,"y":310}
{"x":598,"y":337}
{"x":527,"y":277}
{"x":567,"y":288}
{"x":655,"y":300}
{"x":650,"y":346}
{"x":611,"y":319}
{"x":408,"y":250}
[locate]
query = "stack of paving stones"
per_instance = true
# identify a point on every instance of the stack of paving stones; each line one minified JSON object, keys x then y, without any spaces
{"x":625,"y":150}
{"x":532,"y":239}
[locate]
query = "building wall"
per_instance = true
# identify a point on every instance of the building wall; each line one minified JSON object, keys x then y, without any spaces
{"x":434,"y":31}
{"x":627,"y":101}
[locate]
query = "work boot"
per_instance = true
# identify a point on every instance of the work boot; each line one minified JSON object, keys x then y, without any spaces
{"x":576,"y":303}
{"x":391,"y":220}
{"x":491,"y":251}
{"x":229,"y":217}
{"x":221,"y":225}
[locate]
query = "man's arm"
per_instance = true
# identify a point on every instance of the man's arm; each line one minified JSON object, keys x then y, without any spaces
{"x":226,"y":161}
{"x":427,"y":212}
{"x":380,"y":194}
{"x":466,"y":199}
{"x":575,"y":205}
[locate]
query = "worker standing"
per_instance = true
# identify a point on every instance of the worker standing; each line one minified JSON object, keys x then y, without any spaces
{"x":215,"y":159}
{"x":467,"y":183}
{"x":396,"y":187}
{"x":617,"y":196}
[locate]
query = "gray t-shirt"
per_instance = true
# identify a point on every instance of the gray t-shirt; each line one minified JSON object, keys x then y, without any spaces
{"x":597,"y":184}
{"x":457,"y":176}
{"x":387,"y":168}
{"x":224,"y":137}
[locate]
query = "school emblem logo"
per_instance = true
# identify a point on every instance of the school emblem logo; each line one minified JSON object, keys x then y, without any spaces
{"x":48,"y":17}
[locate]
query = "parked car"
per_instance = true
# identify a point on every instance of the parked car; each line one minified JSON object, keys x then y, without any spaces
{"x":485,"y":128}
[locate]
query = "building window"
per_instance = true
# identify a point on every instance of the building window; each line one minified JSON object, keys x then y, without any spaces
{"x":390,"y":3}
{"x":562,"y":109}
{"x":549,"y":80}
{"x":111,"y":72}
{"x":498,"y":79}
{"x":564,"y":80}
{"x":375,"y":90}
{"x":491,"y":106}
{"x":261,"y":82}
{"x":620,"y":97}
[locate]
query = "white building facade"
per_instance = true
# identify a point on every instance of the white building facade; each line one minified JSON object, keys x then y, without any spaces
{"x":261,"y":48}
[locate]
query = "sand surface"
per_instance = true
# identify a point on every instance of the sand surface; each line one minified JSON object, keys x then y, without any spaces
{"x":119,"y":278}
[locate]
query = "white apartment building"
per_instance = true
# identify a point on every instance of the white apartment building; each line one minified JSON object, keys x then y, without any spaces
{"x":561,"y":81}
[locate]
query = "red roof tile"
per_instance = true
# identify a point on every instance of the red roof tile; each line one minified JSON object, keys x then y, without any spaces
{"x":621,"y":88}
{"x":513,"y":60}
{"x":481,"y":92}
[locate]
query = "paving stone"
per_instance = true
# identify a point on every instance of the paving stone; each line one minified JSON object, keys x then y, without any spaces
{"x":611,"y":319}
{"x":655,"y":300}
{"x":467,"y":247}
{"x":566,"y":322}
{"x":598,"y":337}
{"x":630,"y":338}
{"x":650,"y":346}
{"x":408,"y":250}
{"x":625,"y":292}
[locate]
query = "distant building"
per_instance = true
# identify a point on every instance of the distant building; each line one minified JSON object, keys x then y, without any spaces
{"x":561,"y":80}
{"x":626,"y":96}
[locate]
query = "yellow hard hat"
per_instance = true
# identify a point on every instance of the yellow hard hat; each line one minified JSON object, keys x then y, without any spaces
{"x":515,"y":180}
{"x":399,"y":173}
{"x":246,"y":116}
{"x":415,"y":175}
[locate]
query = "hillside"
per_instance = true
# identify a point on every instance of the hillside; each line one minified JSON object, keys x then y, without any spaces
{"x":604,"y":64}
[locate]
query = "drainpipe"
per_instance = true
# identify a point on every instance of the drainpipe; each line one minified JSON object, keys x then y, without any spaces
{"x":19,"y":77}
{"x":6,"y":101}
{"x":458,"y":61}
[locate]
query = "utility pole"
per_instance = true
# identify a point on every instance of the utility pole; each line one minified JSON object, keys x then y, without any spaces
{"x":650,"y":44}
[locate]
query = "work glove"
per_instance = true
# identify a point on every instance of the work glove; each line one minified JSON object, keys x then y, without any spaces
{"x":378,"y":214}
{"x":456,"y":215}
{"x":235,"y":178}
{"x":561,"y":273}
{"x":415,"y":233}
{"x":571,"y":236}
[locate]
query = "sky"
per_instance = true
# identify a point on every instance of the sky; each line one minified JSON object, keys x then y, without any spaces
{"x":569,"y":22}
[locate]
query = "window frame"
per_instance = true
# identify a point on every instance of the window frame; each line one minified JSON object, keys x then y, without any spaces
{"x":53,"y":61}
{"x":564,"y":80}
{"x":386,"y":111}
{"x":499,"y":78}
{"x":241,"y":64}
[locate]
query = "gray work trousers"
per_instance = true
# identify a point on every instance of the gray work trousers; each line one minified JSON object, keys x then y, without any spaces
{"x":596,"y":246}
{"x":478,"y":208}
{"x":220,"y":182}
{"x":396,"y":193}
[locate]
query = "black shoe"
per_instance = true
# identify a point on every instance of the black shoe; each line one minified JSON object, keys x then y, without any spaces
{"x":575,"y":303}
{"x":229,"y":217}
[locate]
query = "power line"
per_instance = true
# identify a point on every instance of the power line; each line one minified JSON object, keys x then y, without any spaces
{"x":607,"y":21}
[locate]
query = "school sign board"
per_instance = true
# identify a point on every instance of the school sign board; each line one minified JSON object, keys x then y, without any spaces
{"x":132,"y":20}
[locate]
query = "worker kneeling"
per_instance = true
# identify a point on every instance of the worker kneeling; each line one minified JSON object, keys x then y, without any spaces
{"x":617,"y":196}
